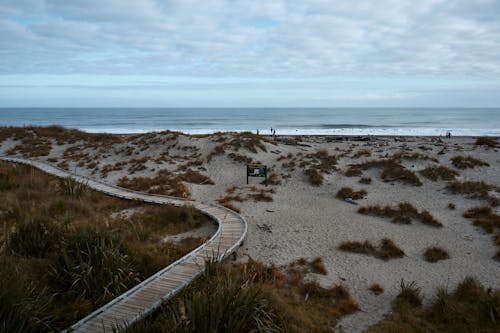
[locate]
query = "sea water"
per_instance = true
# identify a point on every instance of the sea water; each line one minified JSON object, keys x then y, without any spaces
{"x":285,"y":121}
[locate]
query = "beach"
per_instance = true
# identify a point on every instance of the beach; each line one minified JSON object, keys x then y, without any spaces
{"x":298,"y":214}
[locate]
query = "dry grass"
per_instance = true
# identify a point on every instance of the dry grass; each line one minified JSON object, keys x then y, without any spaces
{"x":392,"y":170}
{"x":469,"y":308}
{"x":435,"y":254}
{"x":315,"y":177}
{"x":376,"y":289}
{"x":386,"y":250}
{"x":347,"y":192}
{"x":474,"y":190}
{"x":403,"y":214}
{"x":164,"y":182}
{"x":365,"y":180}
{"x":67,"y":253}
{"x":486,"y":141}
{"x":440,"y":172}
{"x":362,"y":152}
{"x":467,"y":162}
{"x":195,"y":177}
{"x":413,"y":156}
{"x":485,"y":218}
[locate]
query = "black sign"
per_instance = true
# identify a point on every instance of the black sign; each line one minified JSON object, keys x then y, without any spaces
{"x":256,"y":170}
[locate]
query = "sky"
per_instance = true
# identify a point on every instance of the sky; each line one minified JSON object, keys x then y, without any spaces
{"x":256,"y":53}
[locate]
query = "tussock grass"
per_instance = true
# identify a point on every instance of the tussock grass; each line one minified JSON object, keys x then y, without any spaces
{"x":435,"y":173}
{"x":195,"y":177}
{"x":486,"y":141}
{"x":404,"y":213}
{"x":469,"y":308}
{"x":413,"y":156}
{"x":485,"y":218}
{"x":347,"y":192}
{"x":165,"y":182}
{"x":386,"y":250}
{"x":314,"y":177}
{"x":467,"y":162}
{"x":67,"y":254}
{"x":252,"y":297}
{"x":435,"y":254}
{"x":362,"y":152}
{"x":392,"y":170}
{"x":376,"y":289}
{"x":474,"y":190}
{"x":365,"y":180}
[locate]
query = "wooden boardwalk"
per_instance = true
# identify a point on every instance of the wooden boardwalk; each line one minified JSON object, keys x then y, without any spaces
{"x":148,"y":295}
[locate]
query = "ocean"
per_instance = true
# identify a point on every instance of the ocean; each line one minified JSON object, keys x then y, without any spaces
{"x":286,"y":121}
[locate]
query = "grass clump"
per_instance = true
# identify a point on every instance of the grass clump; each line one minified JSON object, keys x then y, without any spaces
{"x":251,"y":297}
{"x":347,"y":192}
{"x":435,"y":254}
{"x":65,"y":255}
{"x":164,"y":182}
{"x":365,"y":180}
{"x":404,"y":213}
{"x":195,"y":177}
{"x":485,"y":218}
{"x":440,"y":172}
{"x":469,"y":308}
{"x":376,"y":289}
{"x":314,"y":177}
{"x":474,"y":190}
{"x":486,"y":141}
{"x":467,"y":162}
{"x":386,"y":250}
{"x":392,"y":170}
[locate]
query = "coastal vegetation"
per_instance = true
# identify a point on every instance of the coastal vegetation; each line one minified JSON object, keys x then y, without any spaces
{"x":471,"y":307}
{"x":66,"y":249}
{"x":252,"y":297}
{"x":404,"y":213}
{"x":386,"y":250}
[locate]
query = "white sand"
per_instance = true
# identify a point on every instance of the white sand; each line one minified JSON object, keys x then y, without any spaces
{"x":307,"y":221}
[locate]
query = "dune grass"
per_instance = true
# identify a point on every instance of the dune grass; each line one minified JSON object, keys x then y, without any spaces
{"x":251,"y":297}
{"x":66,"y":251}
{"x":474,"y":190}
{"x":435,"y":254}
{"x":467,"y":162}
{"x":386,"y":249}
{"x":347,"y":192}
{"x":404,"y":213}
{"x":392,"y":170}
{"x":469,"y":308}
{"x":486,"y":141}
{"x":485,"y":218}
{"x":435,"y":173}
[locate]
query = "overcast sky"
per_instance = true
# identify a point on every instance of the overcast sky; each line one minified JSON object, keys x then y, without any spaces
{"x":301,"y":53}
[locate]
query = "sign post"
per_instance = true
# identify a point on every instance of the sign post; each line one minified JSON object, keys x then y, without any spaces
{"x":257,"y":170}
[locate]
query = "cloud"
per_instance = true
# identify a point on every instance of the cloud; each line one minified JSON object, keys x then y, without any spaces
{"x":250,"y":38}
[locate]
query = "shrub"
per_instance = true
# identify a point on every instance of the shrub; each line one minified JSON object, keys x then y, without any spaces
{"x":467,"y":162}
{"x":435,"y":254}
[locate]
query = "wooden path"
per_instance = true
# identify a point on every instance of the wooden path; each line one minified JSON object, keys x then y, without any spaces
{"x":145,"y":297}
